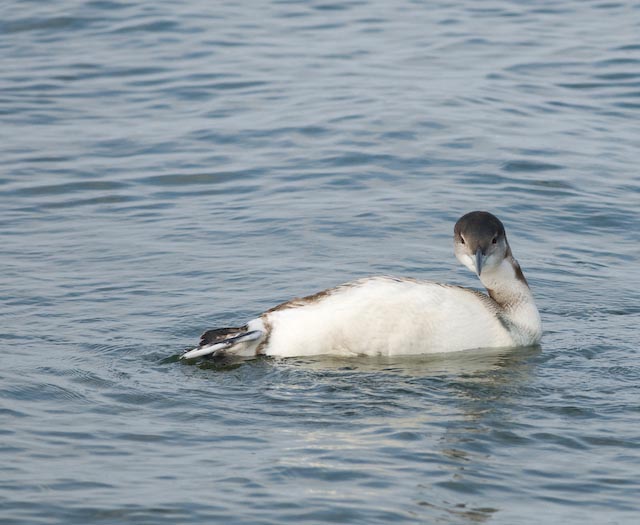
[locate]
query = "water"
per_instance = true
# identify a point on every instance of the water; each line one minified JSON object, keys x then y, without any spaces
{"x":169,"y":167}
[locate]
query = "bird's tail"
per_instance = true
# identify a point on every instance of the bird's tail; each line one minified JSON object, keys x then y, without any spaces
{"x":226,"y":341}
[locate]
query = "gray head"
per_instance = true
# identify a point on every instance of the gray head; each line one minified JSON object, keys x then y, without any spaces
{"x":480,"y":242}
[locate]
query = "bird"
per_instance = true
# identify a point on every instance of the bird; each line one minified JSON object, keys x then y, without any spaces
{"x":393,"y":316}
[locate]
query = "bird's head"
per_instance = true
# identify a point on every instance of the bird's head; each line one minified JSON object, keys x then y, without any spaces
{"x":480,"y":242}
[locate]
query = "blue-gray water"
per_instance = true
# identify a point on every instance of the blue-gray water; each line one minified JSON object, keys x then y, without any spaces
{"x":168,"y":167}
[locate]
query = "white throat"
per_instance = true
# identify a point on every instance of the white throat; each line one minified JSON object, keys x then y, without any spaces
{"x":509,"y":289}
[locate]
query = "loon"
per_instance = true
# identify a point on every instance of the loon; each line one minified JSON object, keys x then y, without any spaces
{"x":399,"y":316}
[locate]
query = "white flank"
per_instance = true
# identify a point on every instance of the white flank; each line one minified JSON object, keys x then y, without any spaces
{"x":385,"y":316}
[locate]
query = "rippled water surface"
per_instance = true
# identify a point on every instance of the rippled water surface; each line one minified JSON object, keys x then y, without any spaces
{"x":168,"y":167}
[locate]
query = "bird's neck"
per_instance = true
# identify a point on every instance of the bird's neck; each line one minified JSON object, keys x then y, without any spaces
{"x":507,"y":286}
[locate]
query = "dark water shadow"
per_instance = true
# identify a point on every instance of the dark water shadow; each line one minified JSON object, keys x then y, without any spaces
{"x":460,"y":364}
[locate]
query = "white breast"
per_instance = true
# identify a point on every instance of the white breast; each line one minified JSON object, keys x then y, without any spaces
{"x":384,"y":316}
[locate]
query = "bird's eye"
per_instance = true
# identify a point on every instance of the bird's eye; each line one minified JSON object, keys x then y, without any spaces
{"x":461,"y":240}
{"x":494,"y":241}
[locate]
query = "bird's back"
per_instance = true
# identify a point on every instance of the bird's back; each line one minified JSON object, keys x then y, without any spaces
{"x":384,"y":316}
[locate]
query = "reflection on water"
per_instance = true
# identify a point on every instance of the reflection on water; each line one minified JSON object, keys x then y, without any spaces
{"x":472,"y":365}
{"x":427,"y":420}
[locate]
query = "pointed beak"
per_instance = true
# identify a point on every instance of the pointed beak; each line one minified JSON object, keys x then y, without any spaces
{"x":479,"y":260}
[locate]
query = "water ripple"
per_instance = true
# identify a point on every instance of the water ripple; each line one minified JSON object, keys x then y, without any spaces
{"x":171,"y":167}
